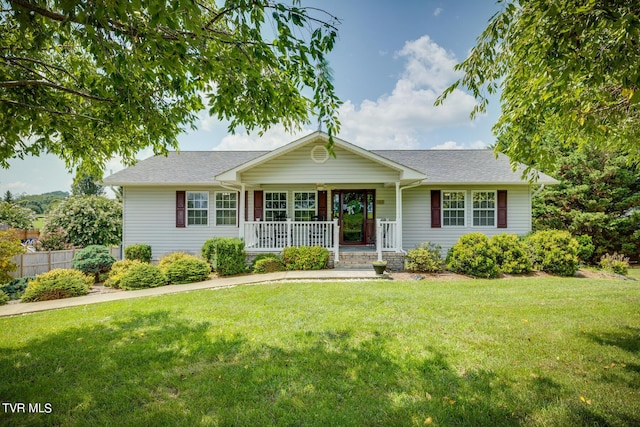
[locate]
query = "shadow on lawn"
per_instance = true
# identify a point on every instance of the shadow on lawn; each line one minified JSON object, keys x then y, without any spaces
{"x":157,"y":369}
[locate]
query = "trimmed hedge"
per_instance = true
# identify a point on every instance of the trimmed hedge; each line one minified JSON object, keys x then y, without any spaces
{"x":226,"y":255}
{"x":140,"y":252}
{"x":118,"y":270}
{"x":473,"y":255}
{"x":554,"y":251}
{"x":56,"y":284}
{"x":305,"y":257}
{"x":425,"y":258}
{"x":512,"y":255}
{"x":186,"y":270}
{"x":141,"y":275}
{"x":268,"y":265}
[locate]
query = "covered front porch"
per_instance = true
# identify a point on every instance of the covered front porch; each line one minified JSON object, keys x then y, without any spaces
{"x":274,"y":236}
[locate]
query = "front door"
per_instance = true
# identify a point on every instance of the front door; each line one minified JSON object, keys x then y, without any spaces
{"x":354,"y":208}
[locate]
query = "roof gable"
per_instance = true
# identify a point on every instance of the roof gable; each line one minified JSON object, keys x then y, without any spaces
{"x":402,"y":172}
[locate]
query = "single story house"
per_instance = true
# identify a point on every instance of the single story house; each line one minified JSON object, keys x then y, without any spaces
{"x":380,"y":201}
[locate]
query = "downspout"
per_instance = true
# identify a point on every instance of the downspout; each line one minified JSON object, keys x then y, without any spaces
{"x":537,"y":191}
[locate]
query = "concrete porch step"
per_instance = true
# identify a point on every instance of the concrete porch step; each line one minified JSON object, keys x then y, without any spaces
{"x":353,"y":266}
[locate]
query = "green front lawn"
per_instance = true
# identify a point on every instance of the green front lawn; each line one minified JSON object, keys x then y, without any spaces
{"x":551,"y":352}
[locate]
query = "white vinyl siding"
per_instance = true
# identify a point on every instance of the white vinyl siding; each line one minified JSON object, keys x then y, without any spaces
{"x":297,"y":166}
{"x":150,"y":217}
{"x":226,"y":208}
{"x":197,"y":208}
{"x":417,"y":216}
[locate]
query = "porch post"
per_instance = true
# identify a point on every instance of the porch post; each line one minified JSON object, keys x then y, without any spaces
{"x":398,"y":241}
{"x":379,"y":238}
{"x":336,"y":240}
{"x":241,"y":209}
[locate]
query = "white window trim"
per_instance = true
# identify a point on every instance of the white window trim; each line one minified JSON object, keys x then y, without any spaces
{"x":187,"y":209}
{"x":442,"y":209}
{"x":264,"y":208}
{"x":215,"y":209}
{"x":315,"y":210}
{"x":495,"y":208}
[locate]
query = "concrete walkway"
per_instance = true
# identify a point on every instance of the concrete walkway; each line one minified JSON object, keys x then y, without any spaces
{"x":217,"y":283}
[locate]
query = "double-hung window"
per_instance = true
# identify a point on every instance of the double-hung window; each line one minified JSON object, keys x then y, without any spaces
{"x":484,"y":208}
{"x":453,"y":210}
{"x":197,"y":208}
{"x":226,"y":208}
{"x":275,"y":206}
{"x":304,"y":205}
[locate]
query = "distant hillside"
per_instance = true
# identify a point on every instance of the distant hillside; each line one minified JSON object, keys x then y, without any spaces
{"x":41,"y":203}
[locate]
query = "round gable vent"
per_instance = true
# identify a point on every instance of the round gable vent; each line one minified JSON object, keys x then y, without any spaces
{"x":319,"y":154}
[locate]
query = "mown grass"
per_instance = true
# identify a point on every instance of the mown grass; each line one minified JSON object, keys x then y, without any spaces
{"x":550,"y":351}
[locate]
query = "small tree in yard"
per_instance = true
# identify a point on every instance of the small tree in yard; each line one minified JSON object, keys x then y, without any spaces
{"x":9,"y":247}
{"x":94,"y":259}
{"x":88,"y":220}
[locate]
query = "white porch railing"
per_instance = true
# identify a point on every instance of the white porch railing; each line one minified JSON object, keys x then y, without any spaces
{"x":276,"y":235}
{"x":386,"y":237}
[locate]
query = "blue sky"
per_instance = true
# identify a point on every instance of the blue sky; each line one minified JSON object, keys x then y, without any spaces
{"x":392,"y":59}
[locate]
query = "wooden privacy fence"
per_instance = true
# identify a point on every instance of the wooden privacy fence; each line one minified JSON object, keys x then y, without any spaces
{"x":31,"y":264}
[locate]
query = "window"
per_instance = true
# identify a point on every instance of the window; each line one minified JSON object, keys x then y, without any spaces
{"x":226,"y":208}
{"x":197,"y":208}
{"x":275,"y":206}
{"x":484,"y":208}
{"x":304,"y":206}
{"x":453,"y":211}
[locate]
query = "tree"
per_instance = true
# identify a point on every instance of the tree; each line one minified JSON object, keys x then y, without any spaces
{"x":568,"y":71}
{"x":87,"y":220}
{"x":598,"y":196}
{"x":8,"y":197}
{"x":88,"y":80}
{"x":86,"y":184}
{"x":16,"y":216}
{"x":9,"y":247}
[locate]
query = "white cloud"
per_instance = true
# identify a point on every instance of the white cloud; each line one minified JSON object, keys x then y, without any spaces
{"x":438,"y":11}
{"x":453,"y":145}
{"x":402,"y":119}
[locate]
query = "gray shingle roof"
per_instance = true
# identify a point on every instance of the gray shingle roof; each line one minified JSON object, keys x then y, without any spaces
{"x":461,"y":166}
{"x":185,"y":167}
{"x":440,"y":167}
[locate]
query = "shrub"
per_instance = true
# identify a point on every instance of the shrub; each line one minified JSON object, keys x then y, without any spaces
{"x":225,"y":255}
{"x":141,"y":275}
{"x":53,"y":240}
{"x":171,"y":258}
{"x":268,"y":265}
{"x":56,"y":284}
{"x":118,"y":270}
{"x":425,"y":258}
{"x":9,"y":247}
{"x":585,"y":248}
{"x":305,"y":257}
{"x":94,"y":259}
{"x":4,"y":298}
{"x":554,"y":252}
{"x":15,"y":288}
{"x":16,"y":216}
{"x":263,"y":256}
{"x":511,"y":254}
{"x":186,"y":270}
{"x":473,"y":255}
{"x":87,"y":220}
{"x":616,"y":263}
{"x":140,"y":252}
